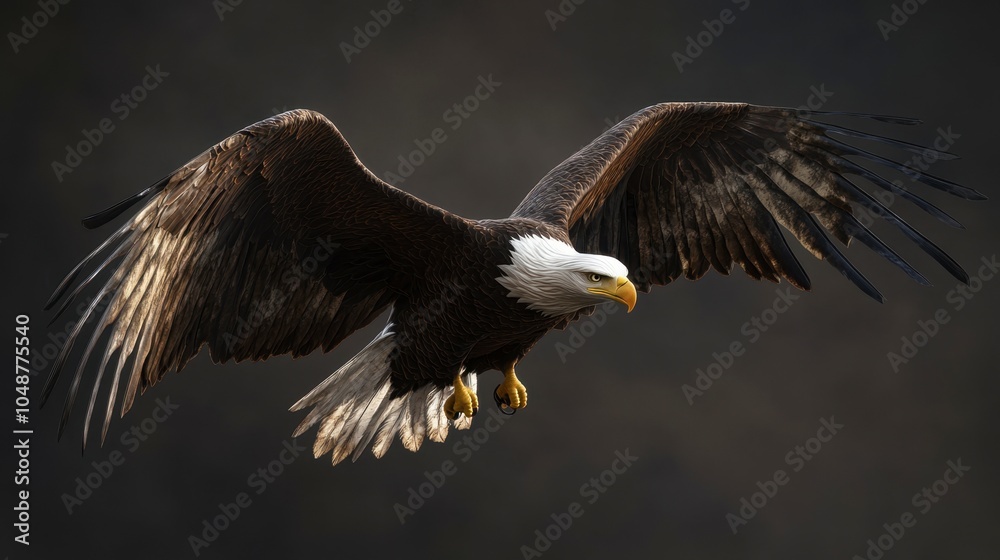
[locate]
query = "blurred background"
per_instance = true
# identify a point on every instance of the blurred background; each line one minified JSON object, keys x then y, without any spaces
{"x":562,"y":73}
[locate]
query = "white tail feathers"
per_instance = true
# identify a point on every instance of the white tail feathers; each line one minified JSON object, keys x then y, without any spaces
{"x":353,"y":407}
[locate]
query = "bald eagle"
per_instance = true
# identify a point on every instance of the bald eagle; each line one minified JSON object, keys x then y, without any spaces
{"x":278,"y":240}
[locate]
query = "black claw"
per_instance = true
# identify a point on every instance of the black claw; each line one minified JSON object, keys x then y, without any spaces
{"x":458,"y":414}
{"x":503,"y":403}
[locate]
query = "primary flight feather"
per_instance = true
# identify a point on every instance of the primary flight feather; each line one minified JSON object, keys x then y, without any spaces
{"x":278,"y":240}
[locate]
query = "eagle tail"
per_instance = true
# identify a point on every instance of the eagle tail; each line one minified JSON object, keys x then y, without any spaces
{"x":354,"y":406}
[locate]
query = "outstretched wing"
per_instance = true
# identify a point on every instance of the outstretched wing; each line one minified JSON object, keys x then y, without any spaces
{"x":678,"y":188}
{"x":276,"y":240}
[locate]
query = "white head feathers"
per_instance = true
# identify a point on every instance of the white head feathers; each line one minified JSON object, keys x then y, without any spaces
{"x":552,"y":277}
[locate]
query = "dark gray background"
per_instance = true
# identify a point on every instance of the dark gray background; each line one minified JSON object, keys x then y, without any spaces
{"x":824,"y":356}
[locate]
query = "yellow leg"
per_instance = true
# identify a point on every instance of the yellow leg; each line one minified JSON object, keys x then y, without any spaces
{"x":511,"y":392}
{"x":463,"y":401}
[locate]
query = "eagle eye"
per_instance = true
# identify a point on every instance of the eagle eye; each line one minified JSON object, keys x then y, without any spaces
{"x":594,"y":277}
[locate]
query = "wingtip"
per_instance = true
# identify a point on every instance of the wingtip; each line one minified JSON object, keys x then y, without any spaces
{"x":872,"y":292}
{"x":961,"y":275}
{"x":97,"y":220}
{"x":86,"y":432}
{"x":866,"y":286}
{"x":47,"y":389}
{"x":907,"y":121}
{"x":891,"y":119}
{"x":104,"y":216}
{"x":62,"y":426}
{"x":950,"y":221}
{"x":877,"y":296}
{"x":62,"y":287}
{"x":922,"y":280}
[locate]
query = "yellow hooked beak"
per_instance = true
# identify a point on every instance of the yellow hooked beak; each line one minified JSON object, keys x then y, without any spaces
{"x":620,"y":290}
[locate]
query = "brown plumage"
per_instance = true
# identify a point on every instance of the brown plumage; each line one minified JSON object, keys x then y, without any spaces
{"x":278,"y":240}
{"x":680,"y":187}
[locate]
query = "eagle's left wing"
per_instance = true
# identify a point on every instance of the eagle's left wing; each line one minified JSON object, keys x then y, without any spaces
{"x":677,"y":188}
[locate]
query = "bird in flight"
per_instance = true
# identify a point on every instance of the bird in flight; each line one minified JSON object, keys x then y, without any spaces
{"x":278,"y":240}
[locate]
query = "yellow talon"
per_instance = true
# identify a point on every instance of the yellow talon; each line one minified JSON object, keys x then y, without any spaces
{"x":511,"y":392}
{"x":463,"y":401}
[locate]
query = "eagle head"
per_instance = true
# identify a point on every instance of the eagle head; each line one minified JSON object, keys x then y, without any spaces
{"x":551,"y":277}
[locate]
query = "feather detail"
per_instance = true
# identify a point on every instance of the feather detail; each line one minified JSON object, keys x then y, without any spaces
{"x":354,"y":406}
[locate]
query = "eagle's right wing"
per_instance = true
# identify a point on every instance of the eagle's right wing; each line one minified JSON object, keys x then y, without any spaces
{"x":276,"y":240}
